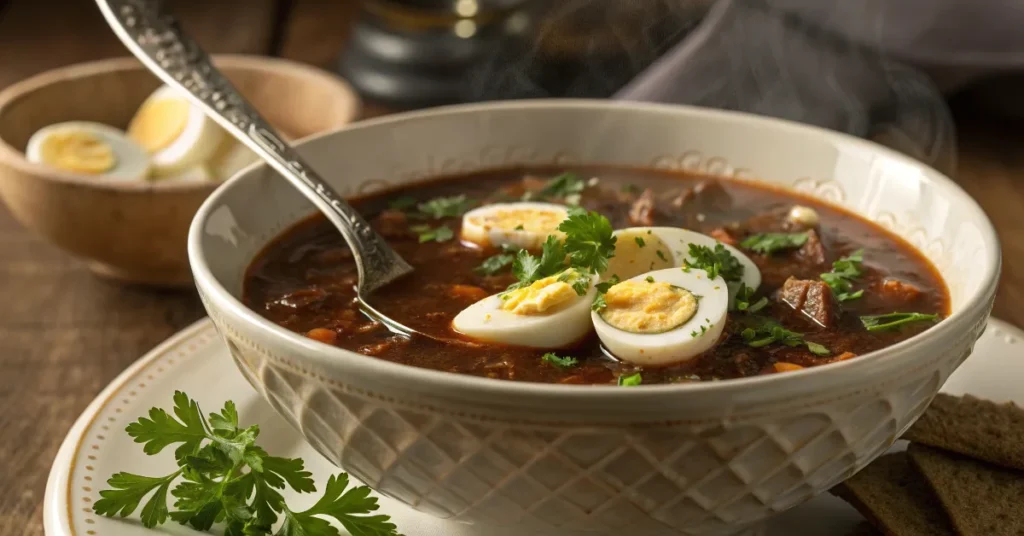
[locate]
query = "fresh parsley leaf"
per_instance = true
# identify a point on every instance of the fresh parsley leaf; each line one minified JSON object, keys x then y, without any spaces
{"x":895,"y":320}
{"x":402,"y":203}
{"x":769,"y":243}
{"x":715,"y":261}
{"x":495,"y":263}
{"x":161,"y":429}
{"x":566,"y":186}
{"x":770,"y":332}
{"x":602,"y":289}
{"x":639,"y":241}
{"x":844,"y":271}
{"x":446,"y":207}
{"x":631,"y":380}
{"x":588,"y":240}
{"x":437,"y":234}
{"x":350,"y":506}
{"x":528,"y":268}
{"x":127,"y":492}
{"x":560,"y":362}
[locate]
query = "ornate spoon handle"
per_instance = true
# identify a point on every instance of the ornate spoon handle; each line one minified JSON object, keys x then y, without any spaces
{"x":155,"y":37}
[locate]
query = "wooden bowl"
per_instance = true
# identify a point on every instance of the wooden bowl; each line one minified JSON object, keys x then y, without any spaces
{"x":136,"y":232}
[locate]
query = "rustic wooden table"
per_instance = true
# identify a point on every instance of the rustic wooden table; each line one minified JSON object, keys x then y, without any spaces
{"x":64,"y":334}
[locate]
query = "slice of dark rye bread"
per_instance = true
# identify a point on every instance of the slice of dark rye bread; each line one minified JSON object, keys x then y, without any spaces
{"x":973,"y":427}
{"x":980,"y":499}
{"x":895,"y":498}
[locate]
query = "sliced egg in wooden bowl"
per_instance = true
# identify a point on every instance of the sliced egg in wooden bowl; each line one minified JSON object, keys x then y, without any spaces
{"x":525,"y":225}
{"x":662,"y":317}
{"x":89,"y":148}
{"x":550,"y":313}
{"x":643,"y":249}
{"x":177,"y":133}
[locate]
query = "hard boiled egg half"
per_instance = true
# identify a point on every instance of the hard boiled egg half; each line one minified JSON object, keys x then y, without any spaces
{"x":176,"y":133}
{"x":662,"y":317}
{"x":643,"y":249}
{"x":549,"y":313}
{"x":523,"y":225}
{"x":89,"y":148}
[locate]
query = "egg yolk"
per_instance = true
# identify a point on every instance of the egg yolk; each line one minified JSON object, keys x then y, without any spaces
{"x":528,"y":220}
{"x":79,"y":152}
{"x":158,"y":123}
{"x":540,"y":297}
{"x":648,"y":307}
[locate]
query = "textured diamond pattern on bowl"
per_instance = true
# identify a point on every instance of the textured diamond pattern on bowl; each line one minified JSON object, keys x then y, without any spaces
{"x":699,"y":479}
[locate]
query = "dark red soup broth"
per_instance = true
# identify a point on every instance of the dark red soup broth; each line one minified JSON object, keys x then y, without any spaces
{"x":304,"y":280}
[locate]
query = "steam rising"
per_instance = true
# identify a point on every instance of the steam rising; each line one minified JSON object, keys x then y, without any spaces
{"x":771,"y":57}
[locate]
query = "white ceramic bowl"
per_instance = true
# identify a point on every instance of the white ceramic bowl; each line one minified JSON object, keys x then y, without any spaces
{"x":713,"y":458}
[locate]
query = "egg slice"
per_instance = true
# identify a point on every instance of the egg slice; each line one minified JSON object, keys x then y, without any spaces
{"x":230,"y":158}
{"x":547,"y":314}
{"x":177,"y":134}
{"x":89,"y":148}
{"x":643,"y":249}
{"x":523,"y":225}
{"x":662,"y":317}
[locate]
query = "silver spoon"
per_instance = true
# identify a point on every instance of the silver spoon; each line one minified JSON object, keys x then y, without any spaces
{"x":156,"y":38}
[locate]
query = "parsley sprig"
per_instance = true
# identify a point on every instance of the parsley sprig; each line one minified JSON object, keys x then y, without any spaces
{"x":895,"y":320}
{"x":602,"y":289}
{"x":771,"y":332}
{"x":769,"y":243}
{"x":588,"y":246}
{"x":224,"y":477}
{"x":497,"y":262}
{"x":844,"y":271}
{"x":715,"y":261}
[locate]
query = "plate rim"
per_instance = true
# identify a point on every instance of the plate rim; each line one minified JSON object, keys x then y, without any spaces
{"x":57,"y":504}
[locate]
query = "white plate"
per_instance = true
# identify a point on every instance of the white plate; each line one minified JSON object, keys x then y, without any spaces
{"x":195,"y":361}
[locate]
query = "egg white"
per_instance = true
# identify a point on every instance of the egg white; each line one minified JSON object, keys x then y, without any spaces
{"x":198,"y":141}
{"x":632,"y":259}
{"x":486,"y":321}
{"x":476,"y":229}
{"x":230,"y":158}
{"x":685,"y":341}
{"x":131,"y":163}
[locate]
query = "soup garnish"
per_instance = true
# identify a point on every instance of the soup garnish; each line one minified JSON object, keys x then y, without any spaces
{"x":629,"y":277}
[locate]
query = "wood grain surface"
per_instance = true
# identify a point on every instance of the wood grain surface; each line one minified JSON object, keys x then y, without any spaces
{"x":64,"y":333}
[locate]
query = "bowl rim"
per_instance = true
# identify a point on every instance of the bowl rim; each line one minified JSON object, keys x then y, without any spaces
{"x":11,"y":156}
{"x":329,"y":357}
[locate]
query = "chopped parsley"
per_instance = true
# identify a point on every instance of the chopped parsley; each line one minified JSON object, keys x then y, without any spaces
{"x":402,"y":203}
{"x":715,"y":261}
{"x":649,"y":279}
{"x":639,"y":241}
{"x":743,"y":297}
{"x":769,"y":243}
{"x":495,"y":263}
{"x":566,"y":186}
{"x":602,"y":289}
{"x":631,"y":380}
{"x":661,"y":255}
{"x":560,"y":362}
{"x":446,"y":207}
{"x":895,"y":320}
{"x":579,"y":284}
{"x":437,"y":234}
{"x":519,"y":227}
{"x":771,"y":332}
{"x":844,"y":271}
